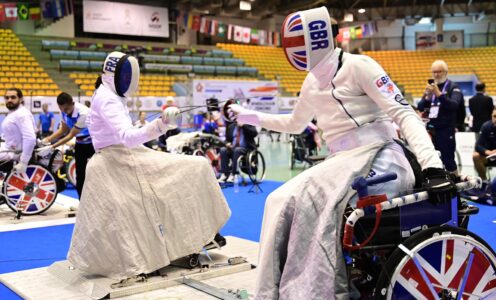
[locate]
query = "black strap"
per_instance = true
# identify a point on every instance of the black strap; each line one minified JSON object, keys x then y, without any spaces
{"x":340,"y":61}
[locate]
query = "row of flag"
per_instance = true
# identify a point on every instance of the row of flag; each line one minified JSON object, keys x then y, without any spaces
{"x":357,"y":32}
{"x":49,"y":9}
{"x":232,"y":32}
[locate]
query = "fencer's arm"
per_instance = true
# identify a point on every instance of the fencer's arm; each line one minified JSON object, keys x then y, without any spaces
{"x":60,"y":132}
{"x":28,"y":138}
{"x":116,"y":118}
{"x":74,"y":131}
{"x":367,"y":73}
{"x":293,"y":123}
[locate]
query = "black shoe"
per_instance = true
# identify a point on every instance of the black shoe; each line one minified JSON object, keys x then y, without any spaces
{"x":218,"y":242}
{"x":466,"y":209}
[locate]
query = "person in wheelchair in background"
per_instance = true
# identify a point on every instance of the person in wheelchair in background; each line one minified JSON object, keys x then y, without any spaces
{"x":240,"y":139}
{"x":18,"y":132}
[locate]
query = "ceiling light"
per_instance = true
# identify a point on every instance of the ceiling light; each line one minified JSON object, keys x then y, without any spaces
{"x":425,"y":20}
{"x":244,"y":5}
{"x":361,"y":10}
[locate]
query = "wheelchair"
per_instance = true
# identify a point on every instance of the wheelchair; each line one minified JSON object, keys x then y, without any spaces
{"x":413,"y":254}
{"x":300,"y":152}
{"x":34,"y":191}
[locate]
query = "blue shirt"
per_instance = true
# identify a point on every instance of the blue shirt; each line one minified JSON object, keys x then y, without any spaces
{"x":46,"y":121}
{"x":242,"y":142}
{"x":78,"y":119}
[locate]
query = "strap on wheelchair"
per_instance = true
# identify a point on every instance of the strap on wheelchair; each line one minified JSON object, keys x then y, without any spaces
{"x":412,"y":159}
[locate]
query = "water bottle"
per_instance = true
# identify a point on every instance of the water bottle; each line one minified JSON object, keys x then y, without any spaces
{"x":236,"y":183}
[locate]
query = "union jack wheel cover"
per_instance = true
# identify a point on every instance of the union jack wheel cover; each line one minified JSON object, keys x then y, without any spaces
{"x":71,"y":172}
{"x":452,"y":263}
{"x":32,"y":192}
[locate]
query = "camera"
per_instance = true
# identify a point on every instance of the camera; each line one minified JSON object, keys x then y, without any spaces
{"x":212,"y":104}
{"x":430,"y":81}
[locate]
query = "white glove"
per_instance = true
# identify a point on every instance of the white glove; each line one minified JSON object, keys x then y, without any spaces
{"x":170,"y":117}
{"x":245,"y":116}
{"x":44,"y":151}
{"x":20,"y":167}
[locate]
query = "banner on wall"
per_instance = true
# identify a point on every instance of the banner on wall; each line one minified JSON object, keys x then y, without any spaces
{"x":126,"y":19}
{"x":431,"y":40}
{"x":263,"y":95}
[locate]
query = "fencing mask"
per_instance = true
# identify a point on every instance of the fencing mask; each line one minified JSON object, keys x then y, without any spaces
{"x":307,"y":37}
{"x":121,"y":73}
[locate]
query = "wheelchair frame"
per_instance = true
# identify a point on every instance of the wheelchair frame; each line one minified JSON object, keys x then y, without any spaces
{"x":440,"y":262}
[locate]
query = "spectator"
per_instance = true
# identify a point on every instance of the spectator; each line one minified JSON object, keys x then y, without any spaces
{"x":240,"y":140}
{"x":439,"y":105}
{"x":481,"y":107}
{"x":485,"y":146}
{"x":142,"y":122}
{"x":46,"y":122}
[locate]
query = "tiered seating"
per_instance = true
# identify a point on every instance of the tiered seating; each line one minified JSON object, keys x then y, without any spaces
{"x":270,"y":62}
{"x":408,"y":68}
{"x":20,"y":69}
{"x":412,"y":68}
{"x":149,"y":85}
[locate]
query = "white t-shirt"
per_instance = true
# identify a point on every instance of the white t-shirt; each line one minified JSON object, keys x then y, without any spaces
{"x":18,"y":131}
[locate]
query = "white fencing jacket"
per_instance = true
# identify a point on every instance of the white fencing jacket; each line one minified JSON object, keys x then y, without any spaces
{"x":18,"y":132}
{"x":347,"y":102}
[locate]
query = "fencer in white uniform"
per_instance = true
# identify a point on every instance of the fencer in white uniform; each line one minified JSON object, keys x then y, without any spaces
{"x":18,"y":132}
{"x":354,"y":101}
{"x":140,"y":209}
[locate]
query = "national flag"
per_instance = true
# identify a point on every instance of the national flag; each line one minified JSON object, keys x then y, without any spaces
{"x":254,"y":36}
{"x":206,"y":30}
{"x":358,"y":32}
{"x":10,"y":11}
{"x":47,"y":9}
{"x":2,"y":13}
{"x":222,"y":30}
{"x":196,"y":23}
{"x":352,"y":33}
{"x":263,"y":37}
{"x":270,"y":40}
{"x":246,"y":35}
{"x":238,"y":33}
{"x":277,"y":39}
{"x":190,"y":21}
{"x":35,"y":13}
{"x":202,"y":25}
{"x":214,"y":25}
{"x":23,"y":11}
{"x":365,"y":30}
{"x":230,"y":32}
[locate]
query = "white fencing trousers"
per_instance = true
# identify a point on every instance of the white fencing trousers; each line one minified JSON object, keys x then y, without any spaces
{"x":391,"y":159}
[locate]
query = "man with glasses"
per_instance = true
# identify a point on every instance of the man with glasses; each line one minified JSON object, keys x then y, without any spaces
{"x":18,"y":132}
{"x":73,"y":124}
{"x":441,"y":105}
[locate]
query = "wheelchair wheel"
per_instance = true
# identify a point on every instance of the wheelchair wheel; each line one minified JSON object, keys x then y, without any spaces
{"x":71,"y":171}
{"x":256,"y":166}
{"x":452,"y":260}
{"x":198,"y":152}
{"x":32,"y":192}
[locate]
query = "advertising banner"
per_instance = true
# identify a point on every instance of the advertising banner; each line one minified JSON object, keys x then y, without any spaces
{"x":258,"y":95}
{"x":126,"y":19}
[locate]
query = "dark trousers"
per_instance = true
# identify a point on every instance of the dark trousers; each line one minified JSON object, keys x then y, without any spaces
{"x":444,"y":142}
{"x":228,"y":154}
{"x":82,"y":153}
